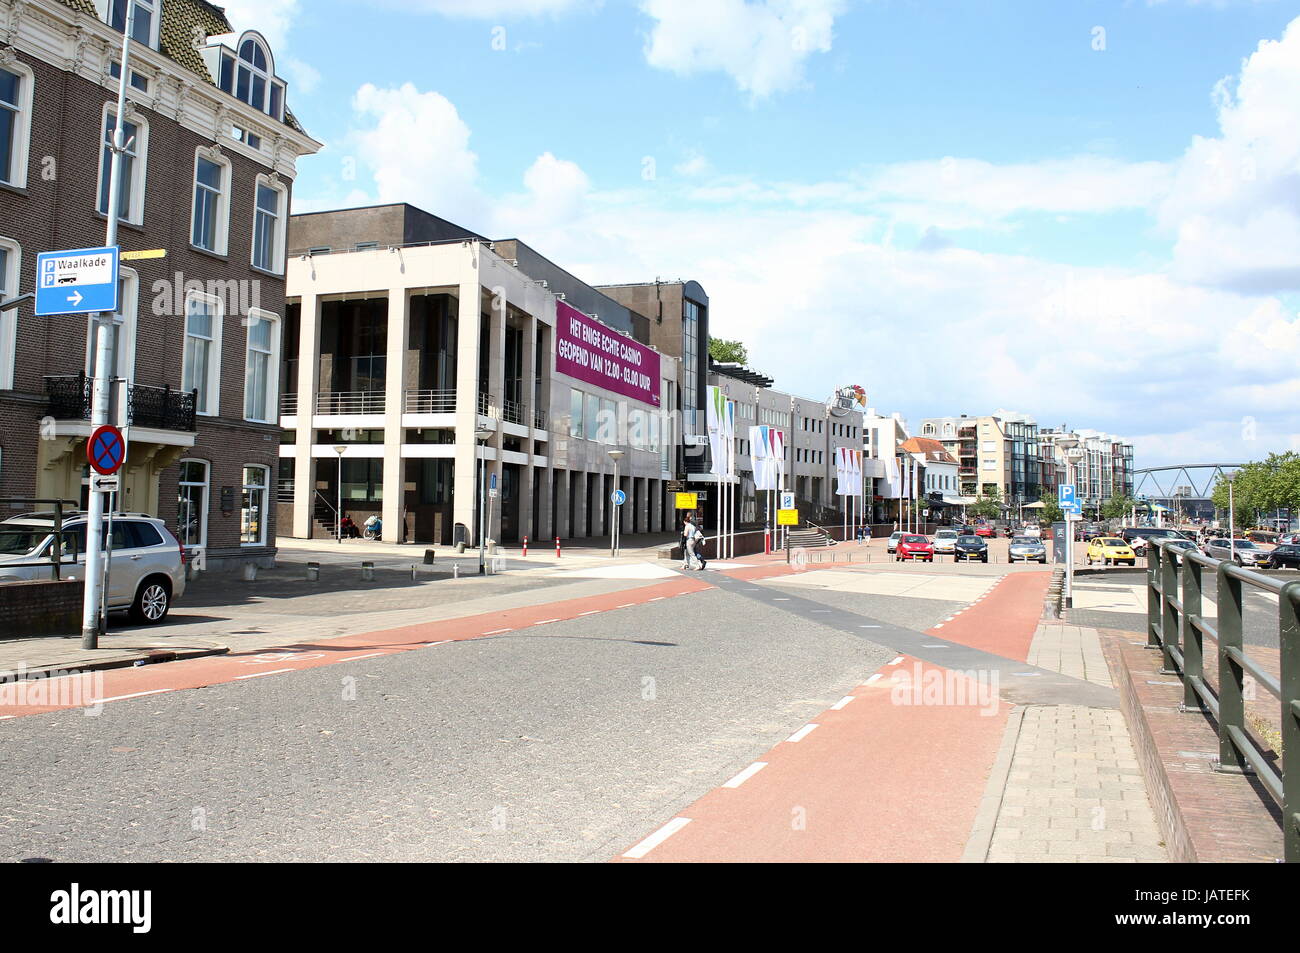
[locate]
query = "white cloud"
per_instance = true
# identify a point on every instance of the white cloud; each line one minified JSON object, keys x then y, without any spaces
{"x":761,"y":44}
{"x":1235,"y":202}
{"x":271,"y":18}
{"x":416,"y":147}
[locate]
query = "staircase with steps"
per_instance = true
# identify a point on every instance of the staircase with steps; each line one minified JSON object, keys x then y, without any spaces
{"x":812,"y":538}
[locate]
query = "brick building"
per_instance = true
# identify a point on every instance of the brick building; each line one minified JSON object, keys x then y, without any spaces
{"x":208,"y":179}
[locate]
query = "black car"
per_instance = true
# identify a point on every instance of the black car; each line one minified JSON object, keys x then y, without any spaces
{"x":970,"y":547}
{"x":1284,"y":557}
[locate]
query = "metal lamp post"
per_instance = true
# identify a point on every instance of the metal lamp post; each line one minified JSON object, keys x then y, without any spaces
{"x":482,"y":437}
{"x":615,"y":455}
{"x":338,"y":496}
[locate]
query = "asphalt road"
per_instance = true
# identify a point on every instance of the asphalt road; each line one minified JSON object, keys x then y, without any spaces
{"x":568,"y":742}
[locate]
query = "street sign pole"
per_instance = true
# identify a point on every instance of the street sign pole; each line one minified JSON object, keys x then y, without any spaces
{"x":91,"y":607}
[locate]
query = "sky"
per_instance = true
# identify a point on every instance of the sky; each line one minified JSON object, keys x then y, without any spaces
{"x":1081,"y":210}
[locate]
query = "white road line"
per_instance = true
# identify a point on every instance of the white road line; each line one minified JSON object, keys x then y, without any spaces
{"x":839,"y":705}
{"x":357,"y":658}
{"x":546,"y":622}
{"x":873,"y":678}
{"x":278,"y":671}
{"x":802,"y":733}
{"x":588,"y":612}
{"x":429,"y":645}
{"x":657,"y":838}
{"x":868,"y":627}
{"x":745,"y":775}
{"x":897,"y":661}
{"x":940,"y":645}
{"x":657,"y":598}
{"x":122,"y":698}
{"x":493,"y":632}
{"x":627,"y":605}
{"x":7,"y":717}
{"x":780,"y":599}
{"x":939,"y":626}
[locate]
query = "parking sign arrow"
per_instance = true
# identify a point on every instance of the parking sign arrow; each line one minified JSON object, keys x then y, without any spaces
{"x":76,"y":298}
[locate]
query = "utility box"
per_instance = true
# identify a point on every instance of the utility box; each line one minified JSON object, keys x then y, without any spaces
{"x":1059,"y":531}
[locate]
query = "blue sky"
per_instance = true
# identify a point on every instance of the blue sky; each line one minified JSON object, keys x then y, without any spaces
{"x":891,"y":190}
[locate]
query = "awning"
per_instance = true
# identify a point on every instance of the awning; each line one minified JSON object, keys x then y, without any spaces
{"x":1040,"y":505}
{"x":960,"y":500}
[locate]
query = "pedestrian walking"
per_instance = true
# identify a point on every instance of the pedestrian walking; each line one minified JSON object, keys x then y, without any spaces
{"x":698,"y":549}
{"x":688,"y":542}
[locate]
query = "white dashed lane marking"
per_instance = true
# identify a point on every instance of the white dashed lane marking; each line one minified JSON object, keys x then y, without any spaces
{"x":657,"y":838}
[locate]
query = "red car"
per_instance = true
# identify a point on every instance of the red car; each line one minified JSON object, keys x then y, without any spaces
{"x":988,"y":532}
{"x":915,"y":547}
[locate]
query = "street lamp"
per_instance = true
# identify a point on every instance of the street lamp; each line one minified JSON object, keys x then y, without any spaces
{"x":615,"y":455}
{"x":338,"y":496}
{"x":1232,"y":530}
{"x":481,"y":437}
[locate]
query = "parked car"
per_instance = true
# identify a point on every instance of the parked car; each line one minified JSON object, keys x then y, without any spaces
{"x":970,"y":547}
{"x":944,"y":541}
{"x":1111,"y":549}
{"x":1286,"y":556}
{"x":1028,"y":548}
{"x":894,"y":537}
{"x":1261,"y":536}
{"x":1132,"y":533}
{"x":1032,"y":529}
{"x":1291,"y":539}
{"x":1179,"y":547}
{"x":986,"y":531}
{"x":1246,"y":552}
{"x":146,"y":572}
{"x":913,"y":546}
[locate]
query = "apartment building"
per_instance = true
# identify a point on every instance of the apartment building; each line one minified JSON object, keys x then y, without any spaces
{"x":422,"y":357}
{"x":1104,"y":469}
{"x":207,"y":180}
{"x":995,"y":453}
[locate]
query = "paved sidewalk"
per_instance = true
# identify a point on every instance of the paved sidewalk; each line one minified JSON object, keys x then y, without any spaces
{"x":1067,"y":787}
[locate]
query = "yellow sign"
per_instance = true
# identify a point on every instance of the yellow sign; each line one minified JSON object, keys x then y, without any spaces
{"x":144,"y":255}
{"x":787,"y":517}
{"x":687,"y":501}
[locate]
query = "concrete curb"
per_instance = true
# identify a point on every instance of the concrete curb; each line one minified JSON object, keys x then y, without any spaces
{"x":986,"y":818}
{"x":117,"y":660}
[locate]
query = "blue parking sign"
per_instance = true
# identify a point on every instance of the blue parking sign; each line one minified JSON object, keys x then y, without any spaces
{"x":83,"y":281}
{"x":1065,"y":494}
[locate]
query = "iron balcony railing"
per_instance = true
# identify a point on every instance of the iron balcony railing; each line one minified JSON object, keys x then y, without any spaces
{"x":338,"y":403}
{"x":487,"y":405}
{"x":158,"y":408}
{"x":1177,"y":626}
{"x":285,"y":493}
{"x":288,"y":405}
{"x":512,"y":411}
{"x":430,"y":402}
{"x":539,"y":419}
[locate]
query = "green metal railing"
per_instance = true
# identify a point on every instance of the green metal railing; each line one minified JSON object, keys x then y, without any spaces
{"x":1176,"y":625}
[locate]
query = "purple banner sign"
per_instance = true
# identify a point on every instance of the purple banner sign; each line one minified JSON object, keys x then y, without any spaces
{"x":591,"y":352}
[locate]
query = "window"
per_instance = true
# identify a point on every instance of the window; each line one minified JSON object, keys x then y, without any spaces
{"x":251,"y":78}
{"x":15,"y":125}
{"x":268,"y":227}
{"x":592,"y":418}
{"x":608,"y":422}
{"x":121,"y":339}
{"x":253,"y":507}
{"x":263,"y":359}
{"x":210,"y":204}
{"x":131,"y":203}
{"x":144,"y":29}
{"x":9,"y":256}
{"x":192,"y":504}
{"x":138,"y":80}
{"x":201,"y":363}
{"x":575,"y":414}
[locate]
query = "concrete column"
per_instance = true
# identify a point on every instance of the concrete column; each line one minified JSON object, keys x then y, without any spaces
{"x":545,"y":528}
{"x":581,"y":514}
{"x":467,"y":334}
{"x":528,"y":384}
{"x":599,"y":518}
{"x":560,"y":527}
{"x":304,"y":490}
{"x":399,"y":322}
{"x":496,"y":387}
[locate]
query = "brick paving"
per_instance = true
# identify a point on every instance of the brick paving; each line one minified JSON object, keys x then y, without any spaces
{"x":1074,"y":793}
{"x":1071,"y":650}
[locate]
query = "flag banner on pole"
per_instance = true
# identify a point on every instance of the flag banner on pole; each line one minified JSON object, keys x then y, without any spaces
{"x":767,"y":450}
{"x":843,"y":472}
{"x":729,"y":430}
{"x":714,"y":412}
{"x":855,"y":458}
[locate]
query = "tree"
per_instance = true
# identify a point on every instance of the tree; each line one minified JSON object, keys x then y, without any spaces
{"x":1262,"y":487}
{"x":1051,"y":511}
{"x":1118,"y":507}
{"x":728,"y":352}
{"x":989,"y":504}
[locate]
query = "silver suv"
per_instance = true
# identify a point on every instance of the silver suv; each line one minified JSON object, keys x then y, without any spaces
{"x":146,"y":573}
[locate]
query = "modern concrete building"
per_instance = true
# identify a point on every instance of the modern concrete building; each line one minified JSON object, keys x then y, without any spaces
{"x":408,"y":335}
{"x":997,"y":452}
{"x":207,"y":179}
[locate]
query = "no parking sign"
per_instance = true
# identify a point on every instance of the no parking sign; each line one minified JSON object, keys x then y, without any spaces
{"x":106,"y":450}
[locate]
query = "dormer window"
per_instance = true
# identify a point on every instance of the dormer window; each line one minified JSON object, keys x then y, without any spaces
{"x":250,"y":77}
{"x":144,"y":29}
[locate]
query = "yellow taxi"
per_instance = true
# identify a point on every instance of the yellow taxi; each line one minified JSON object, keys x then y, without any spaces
{"x":1110,"y":549}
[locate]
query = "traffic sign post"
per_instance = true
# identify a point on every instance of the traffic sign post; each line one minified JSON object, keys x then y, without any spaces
{"x":106,"y":450}
{"x":83,"y":279}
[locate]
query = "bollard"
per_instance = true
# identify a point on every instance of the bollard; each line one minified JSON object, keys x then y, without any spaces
{"x":368,"y":572}
{"x":455,"y":571}
{"x":557,"y":547}
{"x":250,"y":572}
{"x":313,"y":572}
{"x":428,"y":557}
{"x":413,"y":575}
{"x":525,"y":546}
